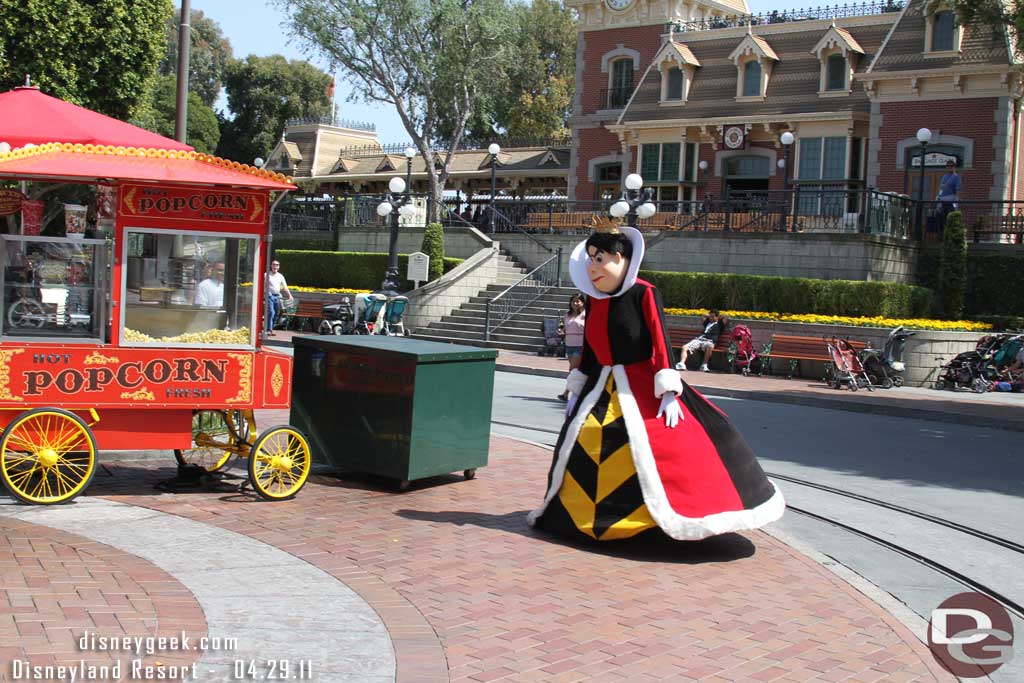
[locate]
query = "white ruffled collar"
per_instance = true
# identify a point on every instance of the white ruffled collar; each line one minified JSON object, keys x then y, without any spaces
{"x":578,"y":266}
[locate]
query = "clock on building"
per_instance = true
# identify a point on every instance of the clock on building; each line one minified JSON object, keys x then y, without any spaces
{"x":618,"y":5}
{"x":734,"y":137}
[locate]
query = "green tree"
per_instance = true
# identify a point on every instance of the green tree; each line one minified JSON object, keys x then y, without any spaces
{"x":263,"y":93}
{"x":100,"y":54}
{"x":998,"y":14}
{"x":418,"y":56}
{"x":433,"y":246}
{"x":203,"y":125}
{"x":208,"y":57}
{"x":953,"y":267}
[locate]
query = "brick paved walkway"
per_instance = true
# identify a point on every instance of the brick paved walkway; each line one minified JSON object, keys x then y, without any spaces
{"x":469,"y":593}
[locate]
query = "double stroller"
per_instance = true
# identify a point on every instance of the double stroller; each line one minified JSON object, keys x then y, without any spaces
{"x":846,"y":368}
{"x":373,"y":314}
{"x":976,"y":370}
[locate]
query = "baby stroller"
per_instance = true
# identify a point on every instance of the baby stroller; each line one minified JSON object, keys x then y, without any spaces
{"x":554,"y":339}
{"x":369,"y":313}
{"x":884,"y":366}
{"x":338,"y":318}
{"x":741,"y":350}
{"x":393,"y":312}
{"x":970,"y":369}
{"x":846,"y":367}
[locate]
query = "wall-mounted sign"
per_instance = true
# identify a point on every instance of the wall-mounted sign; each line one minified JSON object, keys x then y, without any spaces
{"x":419,"y":266}
{"x":734,"y":137}
{"x":10,"y":202}
{"x":934,"y":159}
{"x":194,"y":204}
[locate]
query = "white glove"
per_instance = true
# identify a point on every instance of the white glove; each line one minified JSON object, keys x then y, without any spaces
{"x":671,"y":409}
{"x":570,"y":404}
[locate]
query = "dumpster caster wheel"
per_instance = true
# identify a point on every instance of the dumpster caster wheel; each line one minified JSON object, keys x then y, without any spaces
{"x":403,"y":485}
{"x":470,"y":474}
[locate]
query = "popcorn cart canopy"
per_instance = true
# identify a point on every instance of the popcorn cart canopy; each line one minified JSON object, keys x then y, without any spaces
{"x":54,"y":140}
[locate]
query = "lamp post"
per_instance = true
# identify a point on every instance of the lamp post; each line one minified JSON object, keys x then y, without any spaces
{"x":632,"y":204}
{"x":397,"y":202}
{"x":787,"y":139}
{"x":924,"y":136}
{"x":410,"y":154}
{"x":494,"y":149}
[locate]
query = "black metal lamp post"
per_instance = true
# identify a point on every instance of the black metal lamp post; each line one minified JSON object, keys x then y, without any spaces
{"x":410,"y":154}
{"x":397,"y":202}
{"x":924,"y":136}
{"x":633,"y":205}
{"x":787,"y":139}
{"x":494,"y":150}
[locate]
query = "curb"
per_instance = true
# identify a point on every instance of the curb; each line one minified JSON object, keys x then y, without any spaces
{"x":828,"y":403}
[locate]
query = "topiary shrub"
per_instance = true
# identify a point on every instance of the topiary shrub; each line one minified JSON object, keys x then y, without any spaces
{"x":433,"y":246}
{"x":953,"y":267}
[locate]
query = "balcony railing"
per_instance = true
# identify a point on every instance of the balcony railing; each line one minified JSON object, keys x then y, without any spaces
{"x":615,"y":98}
{"x":331,"y":121}
{"x":785,"y":16}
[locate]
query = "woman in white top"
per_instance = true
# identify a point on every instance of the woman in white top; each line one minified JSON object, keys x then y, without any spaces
{"x":572,"y":327}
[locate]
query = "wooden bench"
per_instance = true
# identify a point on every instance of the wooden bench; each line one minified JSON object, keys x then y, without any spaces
{"x":796,"y":349}
{"x":680,"y":336}
{"x":306,"y":311}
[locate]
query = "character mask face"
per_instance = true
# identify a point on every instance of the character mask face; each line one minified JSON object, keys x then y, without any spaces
{"x":606,"y":271}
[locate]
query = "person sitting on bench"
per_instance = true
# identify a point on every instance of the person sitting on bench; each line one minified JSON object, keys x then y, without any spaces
{"x":705,"y":343}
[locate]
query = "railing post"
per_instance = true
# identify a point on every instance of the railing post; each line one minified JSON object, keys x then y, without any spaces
{"x":558,"y":269}
{"x":551,"y":216}
{"x":796,"y":206}
{"x":487,"y":321}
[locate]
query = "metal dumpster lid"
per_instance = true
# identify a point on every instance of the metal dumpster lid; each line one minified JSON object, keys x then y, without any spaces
{"x":422,"y":351}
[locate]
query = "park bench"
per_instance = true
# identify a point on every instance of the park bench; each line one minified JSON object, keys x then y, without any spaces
{"x":680,"y":336}
{"x":796,"y":349}
{"x":306,"y":311}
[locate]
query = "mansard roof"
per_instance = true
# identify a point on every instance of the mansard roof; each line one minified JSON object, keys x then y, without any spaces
{"x":677,"y":52}
{"x":752,"y":44}
{"x":837,"y":37}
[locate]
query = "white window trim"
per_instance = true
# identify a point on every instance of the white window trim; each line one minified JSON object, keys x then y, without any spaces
{"x":766,"y":68}
{"x":849,"y":57}
{"x":929,"y":25}
{"x":687,"y":71}
{"x":611,"y":76}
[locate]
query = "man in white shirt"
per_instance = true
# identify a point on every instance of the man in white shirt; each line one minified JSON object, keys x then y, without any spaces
{"x":275,"y":286}
{"x":210,"y":292}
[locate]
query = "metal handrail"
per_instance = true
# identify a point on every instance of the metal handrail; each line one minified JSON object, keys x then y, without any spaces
{"x":538,"y":286}
{"x":510,"y":226}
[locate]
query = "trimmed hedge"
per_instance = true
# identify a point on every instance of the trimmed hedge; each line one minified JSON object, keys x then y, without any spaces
{"x":993,"y":282}
{"x":791,"y":294}
{"x":284,"y":241}
{"x":953,"y":267}
{"x":433,"y":247}
{"x":357,"y":270}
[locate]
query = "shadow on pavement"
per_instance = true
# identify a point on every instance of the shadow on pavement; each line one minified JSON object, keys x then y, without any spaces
{"x":653,"y":546}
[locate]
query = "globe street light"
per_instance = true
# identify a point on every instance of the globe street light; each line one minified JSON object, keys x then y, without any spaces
{"x":493,"y":149}
{"x":632,"y":204}
{"x":924,"y":136}
{"x":398,"y":202}
{"x":787,"y":139}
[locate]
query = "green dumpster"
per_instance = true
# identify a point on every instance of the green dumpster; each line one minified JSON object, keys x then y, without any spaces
{"x":393,"y":406}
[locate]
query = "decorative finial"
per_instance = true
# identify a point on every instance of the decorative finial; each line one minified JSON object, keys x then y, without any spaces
{"x":605,"y":224}
{"x":749,"y":32}
{"x":28,"y":81}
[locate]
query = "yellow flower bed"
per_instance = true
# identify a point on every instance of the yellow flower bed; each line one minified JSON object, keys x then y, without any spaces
{"x":325,"y":290}
{"x":814,"y":318}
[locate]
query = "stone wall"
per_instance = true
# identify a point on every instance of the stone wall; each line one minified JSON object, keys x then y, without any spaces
{"x":440,"y":297}
{"x":920,"y":354}
{"x":828,"y":257}
{"x":459,"y":242}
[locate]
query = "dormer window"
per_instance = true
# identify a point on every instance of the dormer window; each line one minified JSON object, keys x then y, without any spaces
{"x":677,"y":65}
{"x":942,"y":34}
{"x":754,"y":59}
{"x":838,"y":52}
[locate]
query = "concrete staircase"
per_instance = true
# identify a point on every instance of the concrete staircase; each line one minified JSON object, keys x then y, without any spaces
{"x":522,"y":332}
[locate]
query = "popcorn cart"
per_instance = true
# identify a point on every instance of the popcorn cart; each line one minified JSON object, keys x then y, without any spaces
{"x":131,"y":319}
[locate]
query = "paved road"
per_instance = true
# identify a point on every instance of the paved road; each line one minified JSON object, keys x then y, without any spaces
{"x":970,"y":475}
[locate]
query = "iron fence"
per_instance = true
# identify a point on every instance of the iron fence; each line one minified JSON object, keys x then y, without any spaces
{"x":513,"y":299}
{"x":615,"y":98}
{"x":791,"y":15}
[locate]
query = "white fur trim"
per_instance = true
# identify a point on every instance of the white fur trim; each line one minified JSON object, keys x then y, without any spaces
{"x":584,"y":406}
{"x":672,"y":523}
{"x":575,"y":381}
{"x":667,"y":380}
{"x":578,"y":266}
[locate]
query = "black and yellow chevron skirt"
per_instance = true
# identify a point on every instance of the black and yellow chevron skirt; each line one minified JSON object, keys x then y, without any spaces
{"x":600,"y":495}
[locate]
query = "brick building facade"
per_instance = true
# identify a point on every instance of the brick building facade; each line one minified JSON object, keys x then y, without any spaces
{"x":695,"y":96}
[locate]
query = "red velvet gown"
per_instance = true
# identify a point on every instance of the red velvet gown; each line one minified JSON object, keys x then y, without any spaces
{"x":618,"y":471}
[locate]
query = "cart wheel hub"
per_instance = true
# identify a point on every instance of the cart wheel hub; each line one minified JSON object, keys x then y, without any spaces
{"x":47,"y":457}
{"x":281,"y":463}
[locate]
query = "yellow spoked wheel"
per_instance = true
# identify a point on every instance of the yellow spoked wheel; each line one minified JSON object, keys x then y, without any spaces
{"x":279,"y":463}
{"x":216,"y":436}
{"x":47,"y":456}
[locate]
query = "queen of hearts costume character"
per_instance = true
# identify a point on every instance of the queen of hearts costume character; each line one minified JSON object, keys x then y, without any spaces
{"x":640,"y":449}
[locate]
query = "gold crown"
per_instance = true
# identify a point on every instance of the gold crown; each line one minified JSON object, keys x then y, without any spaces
{"x":605,"y":224}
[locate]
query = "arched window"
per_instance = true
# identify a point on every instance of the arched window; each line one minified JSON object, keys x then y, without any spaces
{"x":674,"y":84}
{"x":752,"y":78}
{"x":943,"y":31}
{"x":621,"y":85}
{"x":835,"y":78}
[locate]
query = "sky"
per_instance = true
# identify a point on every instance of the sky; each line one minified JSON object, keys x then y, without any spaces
{"x":256,"y":27}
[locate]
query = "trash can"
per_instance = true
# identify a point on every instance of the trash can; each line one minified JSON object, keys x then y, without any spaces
{"x":392,"y":406}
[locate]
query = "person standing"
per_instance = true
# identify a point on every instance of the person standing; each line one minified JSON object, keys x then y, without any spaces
{"x":210,"y":292}
{"x":949,"y":193}
{"x":276,"y":285}
{"x":572,"y":326}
